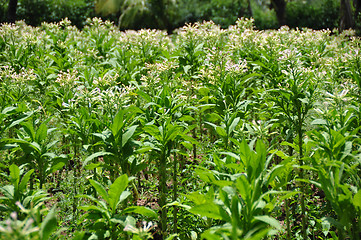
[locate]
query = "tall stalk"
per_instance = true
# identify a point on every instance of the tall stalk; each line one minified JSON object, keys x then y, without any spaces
{"x":294,"y":102}
{"x":162,"y":173}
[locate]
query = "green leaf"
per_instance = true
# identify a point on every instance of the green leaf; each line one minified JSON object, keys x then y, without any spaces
{"x":48,"y":225}
{"x":325,"y":226}
{"x":233,"y":155}
{"x":269,"y":220}
{"x":128,"y":134}
{"x":124,"y":196}
{"x":221,"y":131}
{"x":29,"y":129}
{"x":233,"y":125}
{"x":25,"y":180}
{"x":100,"y":190}
{"x":153,"y":131}
{"x":115,"y":191}
{"x":357,"y":199}
{"x":186,"y":68}
{"x":186,"y":118}
{"x":319,"y":122}
{"x":209,"y":210}
{"x":14,"y":174}
{"x":100,"y":209}
{"x":141,"y":210}
{"x":96,"y":155}
{"x":187,"y":145}
{"x":58,"y":163}
{"x":78,"y":236}
{"x":118,"y":122}
{"x":14,"y":123}
{"x":41,"y":133}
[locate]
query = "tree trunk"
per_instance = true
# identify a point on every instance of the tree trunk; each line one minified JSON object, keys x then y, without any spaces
{"x":280,"y":7}
{"x":249,"y":8}
{"x":346,"y":20}
{"x":11,"y":14}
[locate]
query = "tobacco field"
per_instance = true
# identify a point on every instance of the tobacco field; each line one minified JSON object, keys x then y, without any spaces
{"x":206,"y":133}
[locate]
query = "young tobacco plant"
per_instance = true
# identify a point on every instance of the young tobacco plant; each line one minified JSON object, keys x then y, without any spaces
{"x":35,"y":226}
{"x":9,"y":118}
{"x":336,"y":162}
{"x":118,"y":143}
{"x":17,"y":192}
{"x":103,"y":217}
{"x":161,"y":142}
{"x":37,"y":151}
{"x":239,"y":202}
{"x":294,"y":102}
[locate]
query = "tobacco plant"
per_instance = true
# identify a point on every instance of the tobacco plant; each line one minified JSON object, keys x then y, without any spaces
{"x":103,"y":218}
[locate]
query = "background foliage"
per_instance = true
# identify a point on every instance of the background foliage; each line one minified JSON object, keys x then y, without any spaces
{"x":299,"y":13}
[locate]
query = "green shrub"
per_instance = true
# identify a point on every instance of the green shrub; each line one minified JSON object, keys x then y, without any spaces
{"x":264,"y":18}
{"x":34,"y":12}
{"x":3,"y":8}
{"x":312,"y":14}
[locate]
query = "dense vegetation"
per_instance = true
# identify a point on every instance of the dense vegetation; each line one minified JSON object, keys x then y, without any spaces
{"x":315,"y":14}
{"x":208,"y":133}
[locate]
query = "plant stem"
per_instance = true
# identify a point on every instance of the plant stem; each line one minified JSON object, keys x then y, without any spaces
{"x":175,"y":194}
{"x":162,"y":193}
{"x":194,"y":135}
{"x":287,"y":204}
{"x":303,"y":208}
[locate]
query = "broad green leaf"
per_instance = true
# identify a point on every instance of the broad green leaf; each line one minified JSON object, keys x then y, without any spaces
{"x":186,"y":68}
{"x":243,"y":186}
{"x":172,"y":133}
{"x":41,"y":133}
{"x":144,"y":149}
{"x":319,"y":122}
{"x":14,"y":174}
{"x":57,"y":163}
{"x":25,"y":180}
{"x":8,"y":191}
{"x":357,"y":199}
{"x":115,"y":191}
{"x":221,"y":131}
{"x":100,"y":209}
{"x":96,"y":155}
{"x":100,"y":190}
{"x":188,"y":138}
{"x":172,"y":236}
{"x":141,"y":210}
{"x":48,"y":225}
{"x":14,"y":123}
{"x":144,"y":95}
{"x":118,"y":122}
{"x":210,"y":210}
{"x":186,"y":118}
{"x":128,"y":135}
{"x":325,"y":226}
{"x":153,"y":131}
{"x":233,"y":155}
{"x":124,"y":196}
{"x":206,"y":175}
{"x":29,"y":129}
{"x":91,"y":166}
{"x":269,"y":220}
{"x":233,"y":125}
{"x":187,"y":145}
{"x":78,"y":236}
